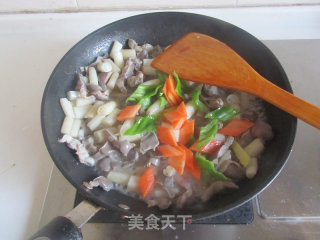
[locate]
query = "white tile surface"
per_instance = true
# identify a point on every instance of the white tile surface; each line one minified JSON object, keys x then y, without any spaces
{"x":152,"y":4}
{"x":89,"y":5}
{"x":247,"y":3}
{"x":59,"y":188}
{"x":30,"y":47}
{"x":37,"y":5}
{"x":25,"y":164}
{"x":273,"y":23}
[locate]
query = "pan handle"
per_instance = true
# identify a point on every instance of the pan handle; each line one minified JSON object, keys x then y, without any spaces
{"x":68,"y":227}
{"x":60,"y":228}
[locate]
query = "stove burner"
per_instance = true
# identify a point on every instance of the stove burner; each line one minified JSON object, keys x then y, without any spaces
{"x":240,"y":215}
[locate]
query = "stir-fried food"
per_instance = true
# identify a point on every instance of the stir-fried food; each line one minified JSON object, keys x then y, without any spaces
{"x":158,"y":137}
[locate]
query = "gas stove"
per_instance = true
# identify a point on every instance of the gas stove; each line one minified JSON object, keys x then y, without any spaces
{"x":240,"y":215}
{"x":287,"y":209}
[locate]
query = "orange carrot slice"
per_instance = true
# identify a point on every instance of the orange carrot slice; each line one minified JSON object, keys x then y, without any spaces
{"x":166,"y":135}
{"x":146,"y":181}
{"x":170,"y":151}
{"x":182,"y":109}
{"x":178,"y":122}
{"x":186,"y":132}
{"x":191,"y":166}
{"x":177,"y":117}
{"x":236,"y":127}
{"x":196,"y":171}
{"x":210,"y":147}
{"x":129,"y":112}
{"x":189,"y":157}
{"x":178,"y":163}
{"x":169,"y":90}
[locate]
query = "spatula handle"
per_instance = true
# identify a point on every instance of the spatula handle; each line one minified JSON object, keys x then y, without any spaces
{"x":291,"y":104}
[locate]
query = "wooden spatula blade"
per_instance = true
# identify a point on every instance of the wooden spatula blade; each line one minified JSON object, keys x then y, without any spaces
{"x":201,"y":58}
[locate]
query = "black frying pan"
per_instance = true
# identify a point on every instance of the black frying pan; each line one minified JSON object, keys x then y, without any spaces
{"x":164,"y":28}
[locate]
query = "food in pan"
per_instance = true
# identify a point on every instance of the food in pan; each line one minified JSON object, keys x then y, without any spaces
{"x":158,"y":137}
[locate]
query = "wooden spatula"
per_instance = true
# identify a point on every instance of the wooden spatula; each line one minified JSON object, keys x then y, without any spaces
{"x":203,"y":59}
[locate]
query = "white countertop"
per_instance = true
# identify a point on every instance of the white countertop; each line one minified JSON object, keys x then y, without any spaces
{"x":31,"y":46}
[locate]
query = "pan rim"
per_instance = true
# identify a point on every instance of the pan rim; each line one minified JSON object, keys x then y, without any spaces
{"x":91,"y":197}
